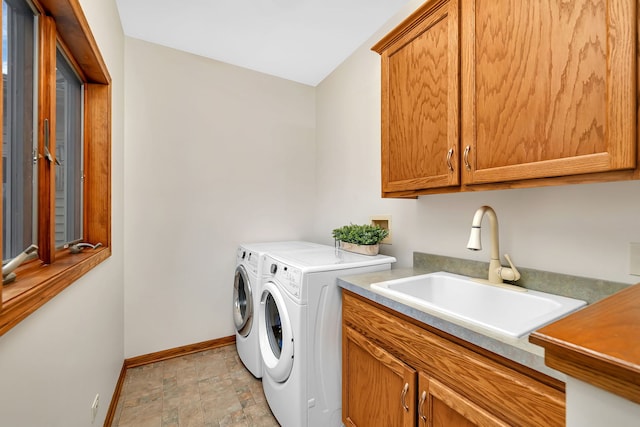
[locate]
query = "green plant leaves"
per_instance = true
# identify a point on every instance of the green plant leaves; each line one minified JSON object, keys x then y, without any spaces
{"x":365,"y":234}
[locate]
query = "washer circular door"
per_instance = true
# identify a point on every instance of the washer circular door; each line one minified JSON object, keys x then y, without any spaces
{"x":276,"y":334}
{"x":242,"y":302}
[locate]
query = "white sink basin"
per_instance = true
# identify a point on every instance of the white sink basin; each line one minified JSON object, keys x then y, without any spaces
{"x":506,"y":311}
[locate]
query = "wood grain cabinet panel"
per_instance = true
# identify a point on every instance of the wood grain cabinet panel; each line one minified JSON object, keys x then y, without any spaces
{"x":549,"y":88}
{"x":439,"y":406}
{"x":420,"y":100}
{"x":488,"y":94}
{"x":461,"y":384}
{"x":378,"y":389}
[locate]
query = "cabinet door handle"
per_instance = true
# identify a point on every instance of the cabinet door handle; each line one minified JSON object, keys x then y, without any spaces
{"x":403,"y":395}
{"x":465,"y":157}
{"x":423,"y":397}
{"x":449,"y":155}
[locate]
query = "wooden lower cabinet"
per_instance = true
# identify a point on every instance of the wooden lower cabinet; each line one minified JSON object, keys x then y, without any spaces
{"x":397,"y":372}
{"x":439,"y":406}
{"x":381,"y":389}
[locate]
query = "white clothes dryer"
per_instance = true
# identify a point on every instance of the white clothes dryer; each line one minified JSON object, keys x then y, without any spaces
{"x":300,"y":332}
{"x":246,"y":297}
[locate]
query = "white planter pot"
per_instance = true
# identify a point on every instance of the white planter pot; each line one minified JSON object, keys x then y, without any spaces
{"x":360,"y":249}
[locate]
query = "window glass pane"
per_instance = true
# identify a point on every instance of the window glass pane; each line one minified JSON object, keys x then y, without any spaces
{"x":69,"y":173}
{"x":18,"y":97}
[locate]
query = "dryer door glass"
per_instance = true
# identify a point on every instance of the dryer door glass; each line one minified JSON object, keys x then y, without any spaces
{"x":242,"y":302}
{"x":276,"y":334}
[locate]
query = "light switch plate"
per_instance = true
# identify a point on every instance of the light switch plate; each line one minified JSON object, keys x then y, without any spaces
{"x":634,"y":258}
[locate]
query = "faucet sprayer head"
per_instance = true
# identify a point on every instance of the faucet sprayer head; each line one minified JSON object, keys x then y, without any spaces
{"x":474,"y":239}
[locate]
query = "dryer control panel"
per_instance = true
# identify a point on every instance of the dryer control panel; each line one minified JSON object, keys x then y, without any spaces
{"x":249,"y":259}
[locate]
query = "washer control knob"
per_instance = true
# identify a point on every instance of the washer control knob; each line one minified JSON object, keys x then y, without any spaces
{"x":274,"y":268}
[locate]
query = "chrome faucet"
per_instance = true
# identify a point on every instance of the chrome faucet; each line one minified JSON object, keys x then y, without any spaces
{"x":497,"y":273}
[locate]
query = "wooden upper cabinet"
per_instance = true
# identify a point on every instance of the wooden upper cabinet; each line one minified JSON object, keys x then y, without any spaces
{"x":420,"y":100}
{"x":548,"y":88}
{"x":488,"y":94}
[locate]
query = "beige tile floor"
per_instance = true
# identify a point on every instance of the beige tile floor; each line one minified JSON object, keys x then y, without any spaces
{"x":206,"y":389}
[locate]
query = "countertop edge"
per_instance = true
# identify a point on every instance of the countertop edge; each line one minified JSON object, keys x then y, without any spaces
{"x":596,"y":344}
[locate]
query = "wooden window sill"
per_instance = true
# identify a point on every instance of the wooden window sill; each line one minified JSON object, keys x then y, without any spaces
{"x":38,"y":283}
{"x":63,"y":24}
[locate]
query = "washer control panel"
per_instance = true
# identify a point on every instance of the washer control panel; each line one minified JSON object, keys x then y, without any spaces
{"x":288,"y":277}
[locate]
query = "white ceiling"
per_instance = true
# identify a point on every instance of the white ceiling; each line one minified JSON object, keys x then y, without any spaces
{"x":299,"y":40}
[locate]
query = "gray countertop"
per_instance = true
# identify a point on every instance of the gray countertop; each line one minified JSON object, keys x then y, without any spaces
{"x":518,"y":350}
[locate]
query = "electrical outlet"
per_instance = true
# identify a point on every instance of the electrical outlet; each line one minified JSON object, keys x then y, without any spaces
{"x":94,"y":408}
{"x":634,"y":259}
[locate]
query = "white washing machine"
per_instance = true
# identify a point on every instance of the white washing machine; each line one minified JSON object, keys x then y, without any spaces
{"x":246,"y":297}
{"x":300,"y":332}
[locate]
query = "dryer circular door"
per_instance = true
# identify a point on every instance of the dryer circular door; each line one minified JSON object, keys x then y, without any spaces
{"x":242,"y":302}
{"x":276,"y":334}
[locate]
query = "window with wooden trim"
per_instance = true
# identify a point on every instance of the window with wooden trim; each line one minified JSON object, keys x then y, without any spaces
{"x":56,"y":153}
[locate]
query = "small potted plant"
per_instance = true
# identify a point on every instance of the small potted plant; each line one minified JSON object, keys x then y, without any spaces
{"x":363,"y":239}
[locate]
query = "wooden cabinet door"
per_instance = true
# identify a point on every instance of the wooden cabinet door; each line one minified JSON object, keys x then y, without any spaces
{"x":497,"y":386}
{"x":548,"y":88}
{"x":378,"y":390}
{"x":420,"y":100}
{"x":439,"y":406}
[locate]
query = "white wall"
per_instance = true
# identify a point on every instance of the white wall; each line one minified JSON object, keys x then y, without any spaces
{"x":589,"y":406}
{"x":54,"y":362}
{"x":215,"y":155}
{"x":581,"y":230}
